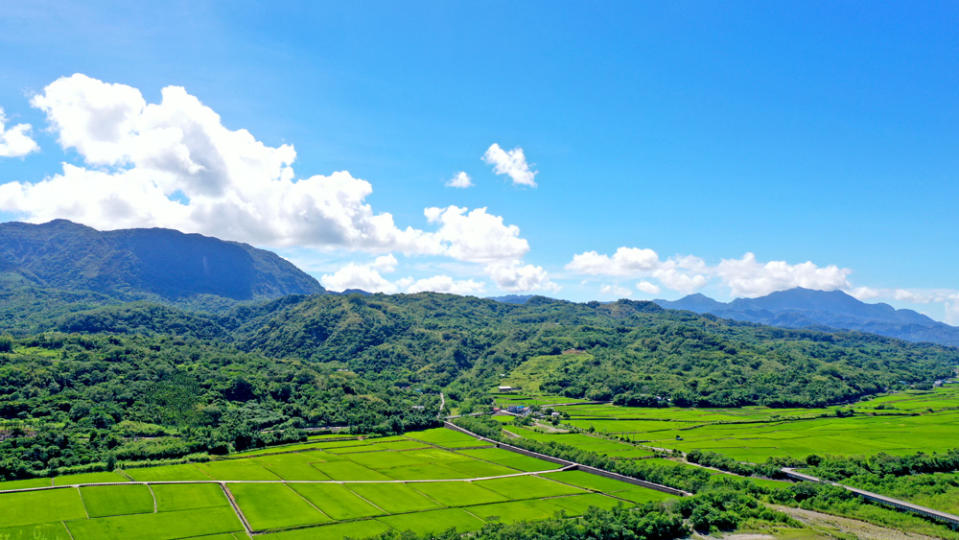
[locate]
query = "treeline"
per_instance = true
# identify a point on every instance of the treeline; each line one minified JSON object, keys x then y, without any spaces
{"x":884,"y":465}
{"x":72,"y":400}
{"x":772,"y":468}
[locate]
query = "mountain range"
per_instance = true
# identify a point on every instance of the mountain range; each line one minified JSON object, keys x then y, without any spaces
{"x":132,"y":264}
{"x":805,"y":308}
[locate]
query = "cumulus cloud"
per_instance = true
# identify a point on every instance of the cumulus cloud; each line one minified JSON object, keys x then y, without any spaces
{"x":174,"y":164}
{"x":511,"y":163}
{"x":681,"y":273}
{"x":615,"y":290}
{"x":15,"y":141}
{"x":475,"y":236}
{"x":445,"y":284}
{"x":365,"y":277}
{"x":647,"y":287}
{"x":688,"y":273}
{"x":625,"y":261}
{"x":460,"y":180}
{"x":514,"y":276}
{"x":369,"y":277}
{"x":750,"y":278}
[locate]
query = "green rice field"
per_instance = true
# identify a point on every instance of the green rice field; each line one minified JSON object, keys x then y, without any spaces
{"x":901,"y":423}
{"x":426,"y":481}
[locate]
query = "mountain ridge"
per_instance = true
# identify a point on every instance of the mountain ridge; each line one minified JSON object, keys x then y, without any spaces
{"x":131,"y":264}
{"x":807,"y":308}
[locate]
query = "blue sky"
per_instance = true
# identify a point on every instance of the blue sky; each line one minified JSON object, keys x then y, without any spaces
{"x":818,"y":131}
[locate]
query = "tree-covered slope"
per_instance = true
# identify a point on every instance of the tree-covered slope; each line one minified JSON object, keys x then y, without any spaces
{"x":141,"y":263}
{"x":637,"y":348}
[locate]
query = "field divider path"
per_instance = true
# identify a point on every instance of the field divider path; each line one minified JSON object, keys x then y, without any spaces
{"x":70,"y":534}
{"x":897,"y":504}
{"x":154,"y":495}
{"x":236,"y":509}
{"x":225,"y":482}
{"x":571,"y":465}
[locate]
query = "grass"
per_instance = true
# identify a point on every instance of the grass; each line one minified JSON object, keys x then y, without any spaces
{"x":394,"y":498}
{"x":511,"y":512}
{"x":356,"y":529}
{"x":159,"y":526}
{"x":446,"y":438}
{"x":897,"y":424}
{"x":528,"y":487}
{"x":297,"y":466}
{"x":236,"y":469}
{"x":35,"y":507}
{"x":291,"y":511}
{"x":103,"y":501}
{"x":435,"y":521}
{"x":458,"y":493}
{"x":510,"y":459}
{"x":622,"y":490}
{"x":274,"y":506}
{"x":44,"y":531}
{"x":89,"y":478}
{"x":348,"y":470}
{"x":174,"y":497}
{"x":167,"y":472}
{"x":530,"y":374}
{"x":337,"y":501}
{"x":28,"y":483}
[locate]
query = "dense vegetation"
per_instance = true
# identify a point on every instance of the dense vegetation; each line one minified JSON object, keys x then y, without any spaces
{"x":69,"y":400}
{"x":142,"y":380}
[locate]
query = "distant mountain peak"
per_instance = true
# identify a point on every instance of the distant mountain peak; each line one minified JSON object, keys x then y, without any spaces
{"x":808,"y":308}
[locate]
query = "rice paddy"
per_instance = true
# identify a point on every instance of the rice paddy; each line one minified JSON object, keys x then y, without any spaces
{"x":426,"y":481}
{"x":902,"y":423}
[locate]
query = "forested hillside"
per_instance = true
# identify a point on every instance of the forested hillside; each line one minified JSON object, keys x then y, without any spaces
{"x":140,"y":263}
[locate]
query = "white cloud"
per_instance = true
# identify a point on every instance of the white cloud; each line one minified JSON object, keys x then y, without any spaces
{"x":15,"y":141}
{"x":365,"y":277}
{"x":688,"y":273}
{"x":174,"y":164}
{"x":475,"y":236}
{"x":460,"y":180}
{"x":514,"y":276}
{"x":952,"y":311}
{"x":681,"y":273}
{"x":445,"y":284}
{"x":511,"y":163}
{"x":615,"y":290}
{"x":369,"y":278}
{"x":625,"y":262}
{"x":647,"y":287}
{"x":864,"y":293}
{"x":750,"y":278}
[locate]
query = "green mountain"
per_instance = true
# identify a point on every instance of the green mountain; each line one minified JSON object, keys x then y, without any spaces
{"x":805,"y":308}
{"x":142,"y":263}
